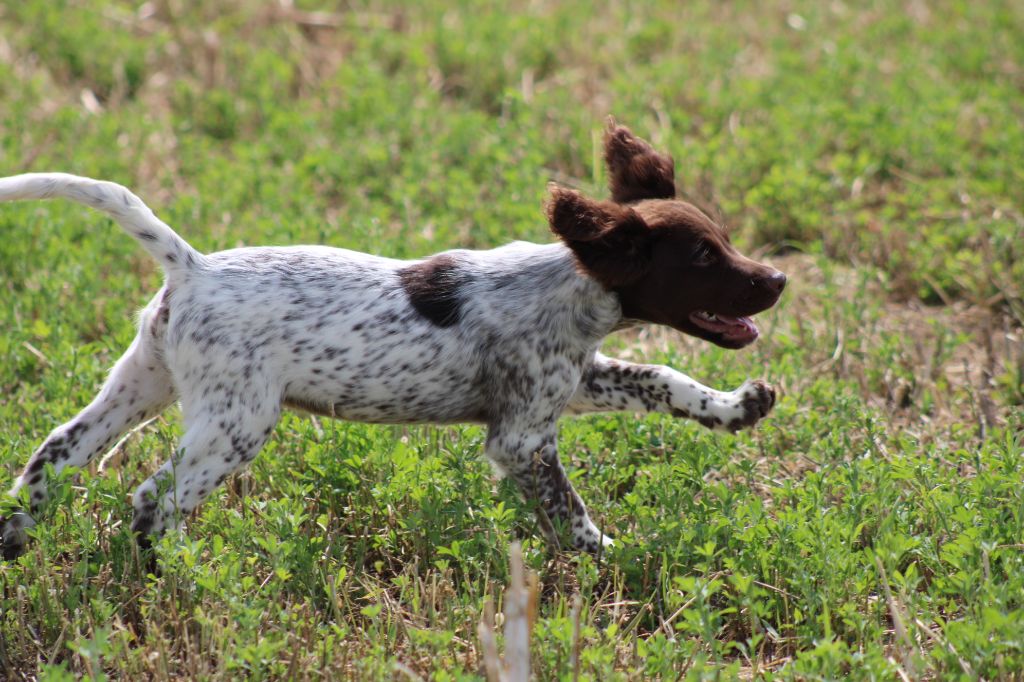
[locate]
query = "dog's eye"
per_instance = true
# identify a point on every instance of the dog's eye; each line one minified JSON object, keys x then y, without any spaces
{"x":703,"y":255}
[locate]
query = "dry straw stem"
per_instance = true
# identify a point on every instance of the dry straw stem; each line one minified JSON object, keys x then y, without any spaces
{"x":577,"y":607}
{"x":519,"y":616}
{"x":904,"y":644}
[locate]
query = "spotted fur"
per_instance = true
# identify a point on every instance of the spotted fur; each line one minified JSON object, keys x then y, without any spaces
{"x":506,"y":337}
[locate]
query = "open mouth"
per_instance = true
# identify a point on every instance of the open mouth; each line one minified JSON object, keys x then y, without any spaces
{"x":740,"y":330}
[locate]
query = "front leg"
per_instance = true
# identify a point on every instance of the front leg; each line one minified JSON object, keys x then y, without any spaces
{"x":612,"y":385}
{"x":529,"y":456}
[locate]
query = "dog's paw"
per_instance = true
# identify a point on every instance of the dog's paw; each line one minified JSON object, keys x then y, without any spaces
{"x":755,"y":400}
{"x":14,"y":535}
{"x":594,"y":545}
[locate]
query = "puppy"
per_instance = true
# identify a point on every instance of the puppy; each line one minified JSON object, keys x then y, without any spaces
{"x":508,"y":338}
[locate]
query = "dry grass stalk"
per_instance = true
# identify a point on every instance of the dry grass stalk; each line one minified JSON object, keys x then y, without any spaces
{"x":519,"y":616}
{"x":904,"y":643}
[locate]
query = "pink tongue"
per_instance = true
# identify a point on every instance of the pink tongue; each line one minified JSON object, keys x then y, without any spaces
{"x":743,"y":325}
{"x":738,"y":328}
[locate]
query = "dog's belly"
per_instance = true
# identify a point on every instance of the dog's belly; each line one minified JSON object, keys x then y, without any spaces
{"x":391,"y":384}
{"x":411,"y":398}
{"x":385,"y":413}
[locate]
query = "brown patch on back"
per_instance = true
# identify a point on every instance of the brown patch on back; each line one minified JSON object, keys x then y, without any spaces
{"x":433,"y":287}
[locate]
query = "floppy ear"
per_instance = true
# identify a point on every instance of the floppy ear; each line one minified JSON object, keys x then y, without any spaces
{"x":635,"y":170}
{"x":611,"y":243}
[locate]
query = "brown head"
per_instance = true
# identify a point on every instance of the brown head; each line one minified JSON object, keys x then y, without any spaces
{"x":666,"y":260}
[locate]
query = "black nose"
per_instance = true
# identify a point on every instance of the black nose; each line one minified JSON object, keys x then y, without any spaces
{"x":776,"y":282}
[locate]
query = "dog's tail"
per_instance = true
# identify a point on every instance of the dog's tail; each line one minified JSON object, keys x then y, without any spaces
{"x":155,"y":236}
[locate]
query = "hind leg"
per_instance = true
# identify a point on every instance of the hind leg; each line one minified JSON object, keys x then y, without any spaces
{"x":223,"y":433}
{"x":139,"y":387}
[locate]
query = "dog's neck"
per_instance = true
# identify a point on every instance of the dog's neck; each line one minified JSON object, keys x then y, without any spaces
{"x":534,"y":279}
{"x":597,"y":311}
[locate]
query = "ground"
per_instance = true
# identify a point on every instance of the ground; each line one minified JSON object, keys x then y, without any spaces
{"x":871,"y":528}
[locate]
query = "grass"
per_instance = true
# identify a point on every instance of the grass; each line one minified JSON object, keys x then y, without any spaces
{"x":872,"y":528}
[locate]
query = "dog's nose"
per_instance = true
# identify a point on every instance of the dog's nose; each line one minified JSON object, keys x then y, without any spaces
{"x":776,"y":281}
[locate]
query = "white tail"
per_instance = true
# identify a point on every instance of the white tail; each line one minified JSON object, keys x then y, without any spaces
{"x":155,"y":236}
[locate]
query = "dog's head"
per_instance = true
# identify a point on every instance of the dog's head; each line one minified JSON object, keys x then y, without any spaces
{"x":668,"y":262}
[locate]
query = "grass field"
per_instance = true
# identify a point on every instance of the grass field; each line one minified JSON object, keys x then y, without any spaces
{"x":872,"y":528}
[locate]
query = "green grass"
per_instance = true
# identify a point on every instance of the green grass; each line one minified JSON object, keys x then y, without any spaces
{"x":872,"y":527}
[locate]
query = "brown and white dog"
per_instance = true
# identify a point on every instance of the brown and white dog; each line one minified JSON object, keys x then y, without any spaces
{"x":507,"y":337}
